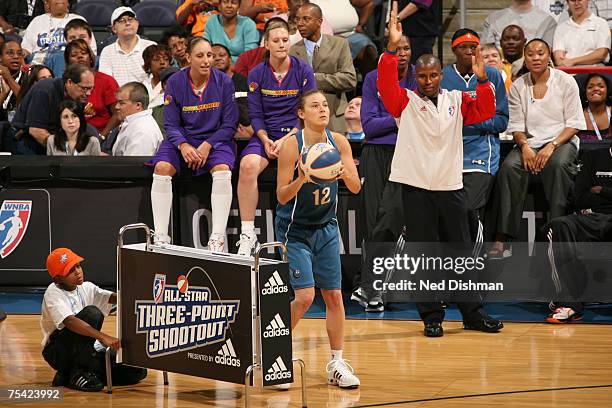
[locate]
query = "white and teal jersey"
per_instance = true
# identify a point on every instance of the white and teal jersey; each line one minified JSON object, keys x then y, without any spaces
{"x":314,"y":204}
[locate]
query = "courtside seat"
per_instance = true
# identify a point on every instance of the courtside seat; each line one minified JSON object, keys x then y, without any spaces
{"x":155,"y":17}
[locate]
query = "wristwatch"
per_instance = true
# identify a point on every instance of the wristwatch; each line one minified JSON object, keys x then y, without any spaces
{"x":555,"y":144}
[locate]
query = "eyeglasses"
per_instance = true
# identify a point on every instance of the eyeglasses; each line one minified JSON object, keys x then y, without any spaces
{"x":306,"y":20}
{"x":12,"y":53}
{"x":125,"y":20}
{"x":85,"y":89}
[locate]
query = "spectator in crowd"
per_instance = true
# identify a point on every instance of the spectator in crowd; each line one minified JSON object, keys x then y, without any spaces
{"x":75,"y":29}
{"x":545,"y":115}
{"x":139,"y":134}
{"x":596,"y":99}
{"x":100,"y":108}
{"x":289,"y":17}
{"x":223,"y":62}
{"x":534,"y":22}
{"x":420,"y":23}
{"x":123,"y":59}
{"x":346,"y":23}
{"x":45,"y":33}
{"x":195,"y":13}
{"x":16,"y":15}
{"x":237,"y":33}
{"x":592,"y":223}
{"x":156,"y":58}
{"x":375,"y":163}
{"x":275,"y":88}
{"x":512,"y":43}
{"x":200,"y":118}
{"x":35,"y":74}
{"x":36,"y":117}
{"x":176,"y":40}
{"x":480,"y":140}
{"x":12,"y":75}
{"x":330,"y":58}
{"x":158,"y":111}
{"x":584,"y":39}
{"x":72,"y":139}
{"x":352,"y":116}
{"x":262,"y":10}
{"x":492,"y":58}
{"x":249,"y":60}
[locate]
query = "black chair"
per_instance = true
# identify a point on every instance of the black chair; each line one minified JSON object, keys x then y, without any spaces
{"x":98,"y":15}
{"x":155,"y":17}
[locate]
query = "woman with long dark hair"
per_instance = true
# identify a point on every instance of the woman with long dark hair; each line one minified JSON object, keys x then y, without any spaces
{"x":72,"y":139}
{"x":35,"y":74}
{"x":596,"y":98}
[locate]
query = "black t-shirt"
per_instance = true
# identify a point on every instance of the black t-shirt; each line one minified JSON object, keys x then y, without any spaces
{"x":423,"y":23}
{"x":15,"y":12}
{"x":39,"y":107}
{"x":596,"y":171}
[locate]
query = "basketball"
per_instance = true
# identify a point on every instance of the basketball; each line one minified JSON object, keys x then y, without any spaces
{"x":182,"y":284}
{"x":321,"y":162}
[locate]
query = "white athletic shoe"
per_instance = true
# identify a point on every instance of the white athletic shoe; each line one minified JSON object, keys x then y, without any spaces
{"x":161,"y":239}
{"x":216,"y":243}
{"x":340,"y":373}
{"x":246,"y":244}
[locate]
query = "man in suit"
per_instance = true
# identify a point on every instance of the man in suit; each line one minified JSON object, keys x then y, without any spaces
{"x":330,"y":58}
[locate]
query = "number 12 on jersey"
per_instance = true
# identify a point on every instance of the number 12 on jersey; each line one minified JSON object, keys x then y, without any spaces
{"x":321,"y":196}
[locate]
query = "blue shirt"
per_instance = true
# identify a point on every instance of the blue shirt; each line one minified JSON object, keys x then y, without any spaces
{"x":315,"y":204}
{"x":193,"y":119}
{"x":245,"y":38}
{"x":273,"y":103}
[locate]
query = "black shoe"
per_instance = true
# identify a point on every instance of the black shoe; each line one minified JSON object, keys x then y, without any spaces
{"x":60,"y":379}
{"x":484,"y":323}
{"x":82,"y":380}
{"x":433,"y":329}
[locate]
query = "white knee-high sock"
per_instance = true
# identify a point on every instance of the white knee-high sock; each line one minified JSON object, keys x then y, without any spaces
{"x":161,"y":201}
{"x":221,"y":200}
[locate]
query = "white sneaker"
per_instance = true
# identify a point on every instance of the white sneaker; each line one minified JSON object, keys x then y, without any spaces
{"x":246,"y":244}
{"x":161,"y":239}
{"x":216,"y":243}
{"x":340,"y":373}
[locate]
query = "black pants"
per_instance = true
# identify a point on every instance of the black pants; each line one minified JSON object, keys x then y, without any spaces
{"x":568,"y":271}
{"x":67,"y":351}
{"x":374,"y":170}
{"x":427,"y":216}
{"x":477,"y":188}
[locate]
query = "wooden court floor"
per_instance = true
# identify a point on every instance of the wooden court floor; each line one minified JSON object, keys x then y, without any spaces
{"x":527,"y":365}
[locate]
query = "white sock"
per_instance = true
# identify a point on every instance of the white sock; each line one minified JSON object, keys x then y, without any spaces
{"x":221,"y":200}
{"x":161,"y":202}
{"x":336,"y":354}
{"x":248,"y":227}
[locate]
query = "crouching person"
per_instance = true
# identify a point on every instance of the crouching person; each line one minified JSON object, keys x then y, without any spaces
{"x":72,"y":315}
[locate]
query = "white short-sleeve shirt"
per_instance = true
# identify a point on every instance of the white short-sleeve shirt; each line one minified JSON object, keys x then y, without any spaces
{"x":58,"y":304}
{"x":580,"y":39}
{"x":139,"y":136}
{"x":124,"y":67}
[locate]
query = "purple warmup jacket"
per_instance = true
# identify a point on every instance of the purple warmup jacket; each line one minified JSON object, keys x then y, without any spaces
{"x":273,"y":104}
{"x":194,"y":119}
{"x":378,"y":124}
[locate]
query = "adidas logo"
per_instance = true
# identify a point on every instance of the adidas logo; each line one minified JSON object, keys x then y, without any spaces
{"x":227,"y":355}
{"x":278,"y":371}
{"x":274,"y":285}
{"x":276,"y":328}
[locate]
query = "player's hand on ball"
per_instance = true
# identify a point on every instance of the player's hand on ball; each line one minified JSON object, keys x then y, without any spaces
{"x":110,"y":341}
{"x":301,"y":173}
{"x":341,"y":174}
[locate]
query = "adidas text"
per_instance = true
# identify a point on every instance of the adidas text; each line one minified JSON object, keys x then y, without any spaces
{"x":225,"y":360}
{"x":276,"y":333}
{"x":274,"y":290}
{"x":278,"y":376}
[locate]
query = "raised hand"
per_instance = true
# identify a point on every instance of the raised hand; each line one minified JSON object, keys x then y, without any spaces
{"x":478,"y":65}
{"x":394,"y":27}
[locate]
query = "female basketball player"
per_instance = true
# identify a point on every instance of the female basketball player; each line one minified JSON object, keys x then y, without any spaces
{"x":306,"y":223}
{"x":200,"y":117}
{"x":275,"y":86}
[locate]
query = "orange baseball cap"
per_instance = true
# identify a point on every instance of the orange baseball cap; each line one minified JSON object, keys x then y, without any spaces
{"x":60,"y":261}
